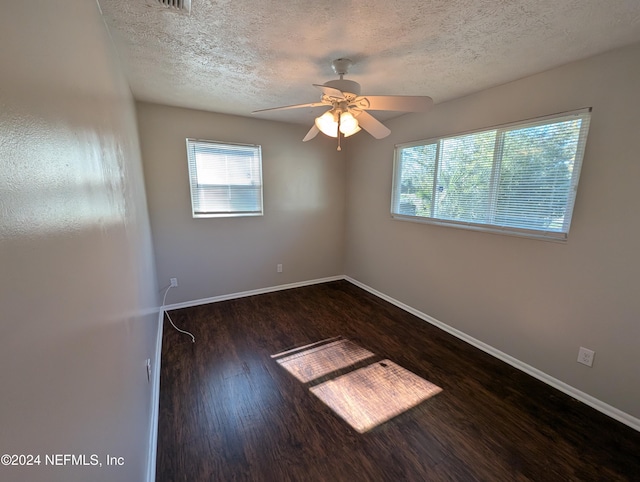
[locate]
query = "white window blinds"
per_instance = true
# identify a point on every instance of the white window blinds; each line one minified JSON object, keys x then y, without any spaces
{"x":226,"y":179}
{"x":519,"y":178}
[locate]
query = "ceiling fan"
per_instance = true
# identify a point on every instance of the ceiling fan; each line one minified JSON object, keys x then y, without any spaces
{"x":348,"y":109}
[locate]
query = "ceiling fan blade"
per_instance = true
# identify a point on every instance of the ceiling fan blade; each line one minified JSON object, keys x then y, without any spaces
{"x":311,"y":134}
{"x":330,"y":91}
{"x":372,"y":125}
{"x":297,"y":106}
{"x":401,"y":103}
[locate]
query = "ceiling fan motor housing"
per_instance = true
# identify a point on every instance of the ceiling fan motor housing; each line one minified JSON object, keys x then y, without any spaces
{"x":346,"y":86}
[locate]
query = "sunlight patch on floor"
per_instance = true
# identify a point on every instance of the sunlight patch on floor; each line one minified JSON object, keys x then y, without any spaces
{"x":364,"y":397}
{"x":318,"y":361}
{"x":369,"y":396}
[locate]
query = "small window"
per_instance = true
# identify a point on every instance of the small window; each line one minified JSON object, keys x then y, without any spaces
{"x":518,"y":179}
{"x":226,"y":179}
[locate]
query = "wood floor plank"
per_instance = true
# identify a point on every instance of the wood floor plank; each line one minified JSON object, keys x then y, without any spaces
{"x":229,"y":412}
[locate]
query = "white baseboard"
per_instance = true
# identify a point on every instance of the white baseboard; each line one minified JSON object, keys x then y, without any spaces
{"x":243,"y":294}
{"x":155,"y":402}
{"x":593,"y":402}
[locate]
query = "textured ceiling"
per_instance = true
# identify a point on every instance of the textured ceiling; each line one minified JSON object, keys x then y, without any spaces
{"x":236,"y":56}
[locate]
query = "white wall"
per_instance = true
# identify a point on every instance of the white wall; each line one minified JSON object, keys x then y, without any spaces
{"x":536,"y":301}
{"x":303,"y":222}
{"x":77,"y":289}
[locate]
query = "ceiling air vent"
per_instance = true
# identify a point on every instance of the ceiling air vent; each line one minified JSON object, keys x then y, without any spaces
{"x":178,"y":6}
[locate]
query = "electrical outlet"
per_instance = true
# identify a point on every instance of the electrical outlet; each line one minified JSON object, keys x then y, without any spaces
{"x":149,"y":370}
{"x":174,"y":282}
{"x":279,"y":267}
{"x":585,"y":356}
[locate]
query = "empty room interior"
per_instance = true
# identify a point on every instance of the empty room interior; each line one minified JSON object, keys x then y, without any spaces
{"x":319,"y":240}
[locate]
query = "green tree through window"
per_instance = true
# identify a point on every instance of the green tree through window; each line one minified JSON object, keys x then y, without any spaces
{"x":519,"y":178}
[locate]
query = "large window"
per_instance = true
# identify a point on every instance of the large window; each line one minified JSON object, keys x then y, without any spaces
{"x":518,"y":179}
{"x":226,"y":179}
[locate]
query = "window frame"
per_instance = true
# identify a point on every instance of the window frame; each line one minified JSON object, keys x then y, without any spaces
{"x":193,"y":178}
{"x":547,"y":235}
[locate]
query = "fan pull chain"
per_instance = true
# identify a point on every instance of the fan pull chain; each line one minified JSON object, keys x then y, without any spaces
{"x":339,"y":117}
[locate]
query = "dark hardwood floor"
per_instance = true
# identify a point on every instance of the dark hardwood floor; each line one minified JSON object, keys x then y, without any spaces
{"x":229,"y":412}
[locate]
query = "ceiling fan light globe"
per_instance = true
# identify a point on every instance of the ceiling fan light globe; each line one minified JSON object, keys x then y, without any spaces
{"x":327,"y":124}
{"x":348,"y":124}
